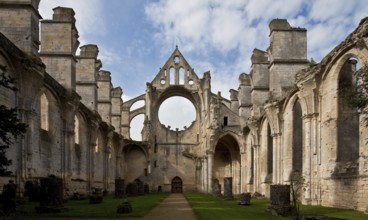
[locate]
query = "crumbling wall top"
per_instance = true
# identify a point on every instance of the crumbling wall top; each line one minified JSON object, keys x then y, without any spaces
{"x":63,"y":14}
{"x":89,"y":51}
{"x":244,"y":79}
{"x":259,"y":56}
{"x":279,"y":24}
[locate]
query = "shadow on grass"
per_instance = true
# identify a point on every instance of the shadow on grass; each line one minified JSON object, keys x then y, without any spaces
{"x":208,"y":207}
{"x":107,"y":209}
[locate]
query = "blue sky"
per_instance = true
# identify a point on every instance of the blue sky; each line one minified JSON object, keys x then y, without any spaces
{"x":135,"y":37}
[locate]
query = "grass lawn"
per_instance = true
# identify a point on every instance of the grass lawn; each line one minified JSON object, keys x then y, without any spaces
{"x":208,"y":207}
{"x":107,"y":209}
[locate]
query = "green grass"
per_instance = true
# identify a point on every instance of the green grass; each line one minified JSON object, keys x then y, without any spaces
{"x":107,"y":209}
{"x":208,"y":207}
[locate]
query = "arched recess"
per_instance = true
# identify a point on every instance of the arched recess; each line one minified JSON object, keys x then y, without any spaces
{"x":227,"y":161}
{"x":79,"y":150}
{"x":265,"y":157}
{"x":49,"y":148}
{"x":98,"y":158}
{"x":249,"y":161}
{"x":297,"y":141}
{"x":135,"y":162}
{"x":348,"y":115}
{"x":112,"y":163}
{"x":292,"y":152}
{"x":331,"y":95}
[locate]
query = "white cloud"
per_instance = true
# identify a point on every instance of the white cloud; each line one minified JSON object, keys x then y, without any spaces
{"x":109,"y":56}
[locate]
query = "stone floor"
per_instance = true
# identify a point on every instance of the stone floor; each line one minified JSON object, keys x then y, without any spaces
{"x":174,"y":207}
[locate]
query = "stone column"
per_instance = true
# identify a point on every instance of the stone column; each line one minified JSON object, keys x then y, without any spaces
{"x":90,"y":152}
{"x":275,"y":160}
{"x":255,"y":169}
{"x":243,"y":168}
{"x":204,"y":171}
{"x":209,"y":170}
{"x":307,"y":157}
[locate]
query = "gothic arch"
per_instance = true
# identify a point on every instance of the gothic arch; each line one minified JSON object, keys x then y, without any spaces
{"x":227,"y":159}
{"x":264,"y":154}
{"x":136,"y":159}
{"x":293,"y":137}
{"x":98,"y":158}
{"x":249,"y":162}
{"x":48,"y":146}
{"x":331,"y":114}
{"x":79,"y":151}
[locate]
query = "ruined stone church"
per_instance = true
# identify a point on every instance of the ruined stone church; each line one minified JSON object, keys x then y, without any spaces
{"x":286,"y":120}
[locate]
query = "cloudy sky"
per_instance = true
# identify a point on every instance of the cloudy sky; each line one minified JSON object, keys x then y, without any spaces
{"x":135,"y":37}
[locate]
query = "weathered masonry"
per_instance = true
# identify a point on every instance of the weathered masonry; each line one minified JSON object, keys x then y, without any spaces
{"x":286,"y":120}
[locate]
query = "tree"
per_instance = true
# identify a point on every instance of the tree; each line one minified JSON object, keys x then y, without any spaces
{"x":10,"y":125}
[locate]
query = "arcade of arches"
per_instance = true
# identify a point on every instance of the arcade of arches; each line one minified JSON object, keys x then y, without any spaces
{"x":288,"y":119}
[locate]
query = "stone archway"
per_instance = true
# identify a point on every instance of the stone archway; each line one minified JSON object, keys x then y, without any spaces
{"x":176,"y":185}
{"x":227,"y":160}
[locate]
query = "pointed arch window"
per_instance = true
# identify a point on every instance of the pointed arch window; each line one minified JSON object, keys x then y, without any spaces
{"x":348,"y":116}
{"x":44,"y":111}
{"x":76,"y":130}
{"x":297,"y":150}
{"x":269,"y":151}
{"x":181,"y":76}
{"x":97,"y":145}
{"x":172,"y":76}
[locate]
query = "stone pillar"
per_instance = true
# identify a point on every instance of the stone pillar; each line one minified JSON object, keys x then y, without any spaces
{"x":256,"y":168}
{"x":86,"y":75}
{"x":116,"y":108}
{"x":307,"y":158}
{"x":243,"y":169}
{"x":19,"y":22}
{"x":275,"y":168}
{"x":210,"y":171}
{"x":205,"y":175}
{"x":104,"y":95}
{"x":288,"y":47}
{"x":90,"y":152}
{"x":59,"y":38}
{"x":228,"y":188}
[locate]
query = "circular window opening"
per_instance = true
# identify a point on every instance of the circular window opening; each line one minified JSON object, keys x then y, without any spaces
{"x":177,"y":112}
{"x":176,"y":59}
{"x":162,"y":81}
{"x":190,"y":82}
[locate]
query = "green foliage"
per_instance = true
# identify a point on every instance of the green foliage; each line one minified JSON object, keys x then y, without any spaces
{"x":357,"y":97}
{"x":296,"y":187}
{"x":10,"y":126}
{"x":312,"y":62}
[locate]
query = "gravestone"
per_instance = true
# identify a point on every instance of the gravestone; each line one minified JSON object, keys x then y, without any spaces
{"x":132,"y":189}
{"x":216,"y":189}
{"x":96,"y":196}
{"x":280,"y":200}
{"x":140,"y":186}
{"x":244,"y":199}
{"x":51,"y":195}
{"x":119,"y":188}
{"x":228,"y":188}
